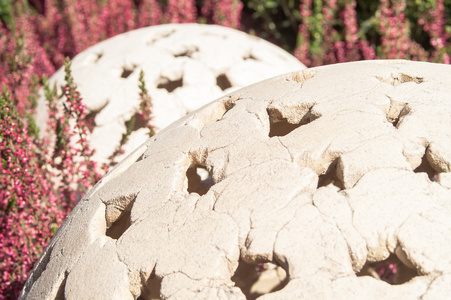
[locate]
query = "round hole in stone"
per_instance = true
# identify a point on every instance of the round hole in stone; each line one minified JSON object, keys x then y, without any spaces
{"x":256,"y":279}
{"x":199,"y":180}
{"x":223,"y":82}
{"x":151,"y":289}
{"x":170,"y":85}
{"x":281,"y":126}
{"x":391,"y":270}
{"x":330,"y":177}
{"x":425,"y":167}
{"x":98,"y":56}
{"x":120,"y":226}
{"x":126,"y":71}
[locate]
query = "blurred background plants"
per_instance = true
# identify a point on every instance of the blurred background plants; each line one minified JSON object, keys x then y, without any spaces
{"x":41,"y":179}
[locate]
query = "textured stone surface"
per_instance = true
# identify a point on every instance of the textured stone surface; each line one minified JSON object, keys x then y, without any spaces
{"x":186,"y":66}
{"x":322,"y":172}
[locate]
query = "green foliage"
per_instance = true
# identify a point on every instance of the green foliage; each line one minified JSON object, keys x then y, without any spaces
{"x":5,"y":101}
{"x":145,"y":106}
{"x":316,"y":28}
{"x":51,"y":98}
{"x":9,"y":120}
{"x":54,"y":228}
{"x":276,"y":21}
{"x":6,"y":12}
{"x":33,"y":129}
{"x":140,"y":119}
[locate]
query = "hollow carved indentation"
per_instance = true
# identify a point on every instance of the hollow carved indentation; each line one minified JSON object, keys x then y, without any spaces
{"x":250,"y":56}
{"x":150,"y":290}
{"x":135,"y":122}
{"x":159,"y":36}
{"x":255,"y":279}
{"x":188,"y":52}
{"x":398,"y":78}
{"x":98,"y":56}
{"x":425,"y":167}
{"x":302,"y":76}
{"x":228,"y":104}
{"x":279,"y":125}
{"x":223,"y":82}
{"x":91,"y":116}
{"x":127,"y":71}
{"x":391,"y":270}
{"x":120,"y":226}
{"x":199,"y":179}
{"x":118,"y":215}
{"x":170,"y":85}
{"x":281,"y":128}
{"x":141,"y":157}
{"x":60,"y":292}
{"x":396,"y":111}
{"x":330,"y":177}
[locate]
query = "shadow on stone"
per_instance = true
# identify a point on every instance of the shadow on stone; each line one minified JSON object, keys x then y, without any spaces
{"x":199,"y":180}
{"x":170,"y":85}
{"x":151,"y":290}
{"x":281,"y":126}
{"x":120,"y":225}
{"x":392,"y":270}
{"x":330,"y":177}
{"x":425,"y":167}
{"x":223,"y":82}
{"x":255,"y":280}
{"x":127,"y":71}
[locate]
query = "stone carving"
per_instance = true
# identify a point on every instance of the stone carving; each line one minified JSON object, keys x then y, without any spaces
{"x":186,"y":66}
{"x":322,"y":172}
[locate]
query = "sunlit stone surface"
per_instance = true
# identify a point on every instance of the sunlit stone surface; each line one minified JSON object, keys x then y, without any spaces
{"x":331,"y":174}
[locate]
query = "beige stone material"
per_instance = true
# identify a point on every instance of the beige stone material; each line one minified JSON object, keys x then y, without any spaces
{"x":332,"y":174}
{"x":185,"y":65}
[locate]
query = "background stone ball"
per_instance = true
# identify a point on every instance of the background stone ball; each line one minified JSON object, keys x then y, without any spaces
{"x":185,"y":65}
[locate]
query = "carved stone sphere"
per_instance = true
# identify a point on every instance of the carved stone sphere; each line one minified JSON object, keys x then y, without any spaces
{"x":185,"y":66}
{"x":339,"y":176}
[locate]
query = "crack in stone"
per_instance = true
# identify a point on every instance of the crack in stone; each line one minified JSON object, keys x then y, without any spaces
{"x":429,"y":286}
{"x":286,"y":147}
{"x":352,"y":219}
{"x":262,"y":122}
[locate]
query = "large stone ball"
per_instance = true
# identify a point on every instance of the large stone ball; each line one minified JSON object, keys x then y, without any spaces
{"x":185,"y":65}
{"x":339,"y":175}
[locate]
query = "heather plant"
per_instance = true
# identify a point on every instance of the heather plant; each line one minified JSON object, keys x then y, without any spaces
{"x":384,"y":30}
{"x":70,"y":160}
{"x":6,"y":15}
{"x":142,"y":119}
{"x":29,"y":211}
{"x":42,"y":180}
{"x":222,"y":12}
{"x":21,"y":64}
{"x":323,"y":32}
